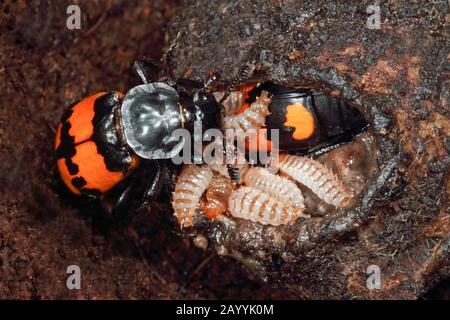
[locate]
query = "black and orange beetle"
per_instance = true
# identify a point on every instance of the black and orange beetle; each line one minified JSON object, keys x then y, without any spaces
{"x":110,"y":144}
{"x":309,"y":123}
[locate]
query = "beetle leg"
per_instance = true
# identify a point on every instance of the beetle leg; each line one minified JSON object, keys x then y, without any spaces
{"x":190,"y":86}
{"x":158,"y":179}
{"x":211,"y":81}
{"x":147,"y":69}
{"x":156,"y":68}
{"x":245,"y":72}
{"x":168,"y":57}
{"x":145,"y":184}
{"x":170,"y":172}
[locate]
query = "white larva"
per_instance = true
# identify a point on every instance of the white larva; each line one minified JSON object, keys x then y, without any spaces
{"x":233,"y":103}
{"x":219,"y":168}
{"x":217,"y":195}
{"x":191,"y":184}
{"x":252,"y":118}
{"x":317,"y":177}
{"x":280,"y":188}
{"x":254,"y":205}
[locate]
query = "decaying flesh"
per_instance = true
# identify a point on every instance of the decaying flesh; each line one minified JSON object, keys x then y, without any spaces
{"x":318,"y":178}
{"x":191,"y":184}
{"x":257,"y":206}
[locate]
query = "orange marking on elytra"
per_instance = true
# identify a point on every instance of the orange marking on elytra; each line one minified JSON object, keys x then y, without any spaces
{"x":93,"y":168}
{"x":81,"y":126}
{"x":298,"y":117}
{"x":65,"y":175}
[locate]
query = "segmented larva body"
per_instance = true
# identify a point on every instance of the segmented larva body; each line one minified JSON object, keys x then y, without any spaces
{"x":280,"y":188}
{"x":253,"y":117}
{"x":233,"y":103}
{"x":217,"y":195}
{"x":257,"y":206}
{"x":192,"y":183}
{"x":317,"y":177}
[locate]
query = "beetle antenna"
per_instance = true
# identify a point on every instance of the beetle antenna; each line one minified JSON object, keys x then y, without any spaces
{"x":168,"y":57}
{"x":138,"y":69}
{"x":147,"y":69}
{"x":245,"y":72}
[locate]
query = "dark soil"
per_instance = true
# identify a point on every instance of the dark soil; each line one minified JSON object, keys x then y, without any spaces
{"x":44,"y":67}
